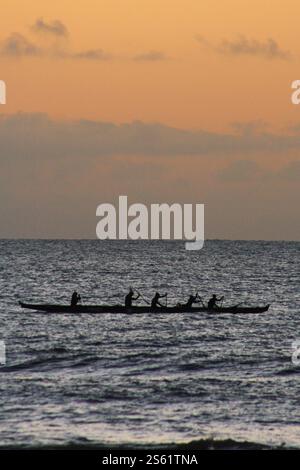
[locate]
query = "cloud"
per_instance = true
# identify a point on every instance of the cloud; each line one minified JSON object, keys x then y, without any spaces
{"x":55,"y":27}
{"x":243,"y":46}
{"x":151,"y":56}
{"x":91,"y":139}
{"x":91,"y":54}
{"x":16,"y":45}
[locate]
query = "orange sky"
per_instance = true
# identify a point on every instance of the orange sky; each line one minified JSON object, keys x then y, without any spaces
{"x":194,"y":87}
{"x":193,"y":84}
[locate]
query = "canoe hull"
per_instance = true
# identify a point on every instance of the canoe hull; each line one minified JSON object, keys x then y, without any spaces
{"x":119,"y":309}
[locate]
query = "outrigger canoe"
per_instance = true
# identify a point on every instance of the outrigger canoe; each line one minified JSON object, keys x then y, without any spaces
{"x":52,"y":308}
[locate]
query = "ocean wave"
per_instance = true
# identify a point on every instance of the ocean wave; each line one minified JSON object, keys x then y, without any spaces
{"x":201,"y":444}
{"x":291,"y":370}
{"x":50,"y":363}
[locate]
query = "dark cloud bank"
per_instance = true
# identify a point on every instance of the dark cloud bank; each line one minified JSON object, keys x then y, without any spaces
{"x":37,"y":134}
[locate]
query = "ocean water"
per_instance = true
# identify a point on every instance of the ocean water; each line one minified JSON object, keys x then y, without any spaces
{"x":153,"y":379}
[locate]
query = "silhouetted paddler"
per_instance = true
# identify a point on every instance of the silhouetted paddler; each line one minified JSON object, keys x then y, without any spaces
{"x":155,"y":301}
{"x":212,"y":303}
{"x":75,"y":299}
{"x":193,"y":299}
{"x":130,"y":297}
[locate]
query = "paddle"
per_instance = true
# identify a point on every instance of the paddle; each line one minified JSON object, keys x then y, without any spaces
{"x":200,"y":298}
{"x":235,"y":306}
{"x":203,"y":304}
{"x":142,"y":297}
